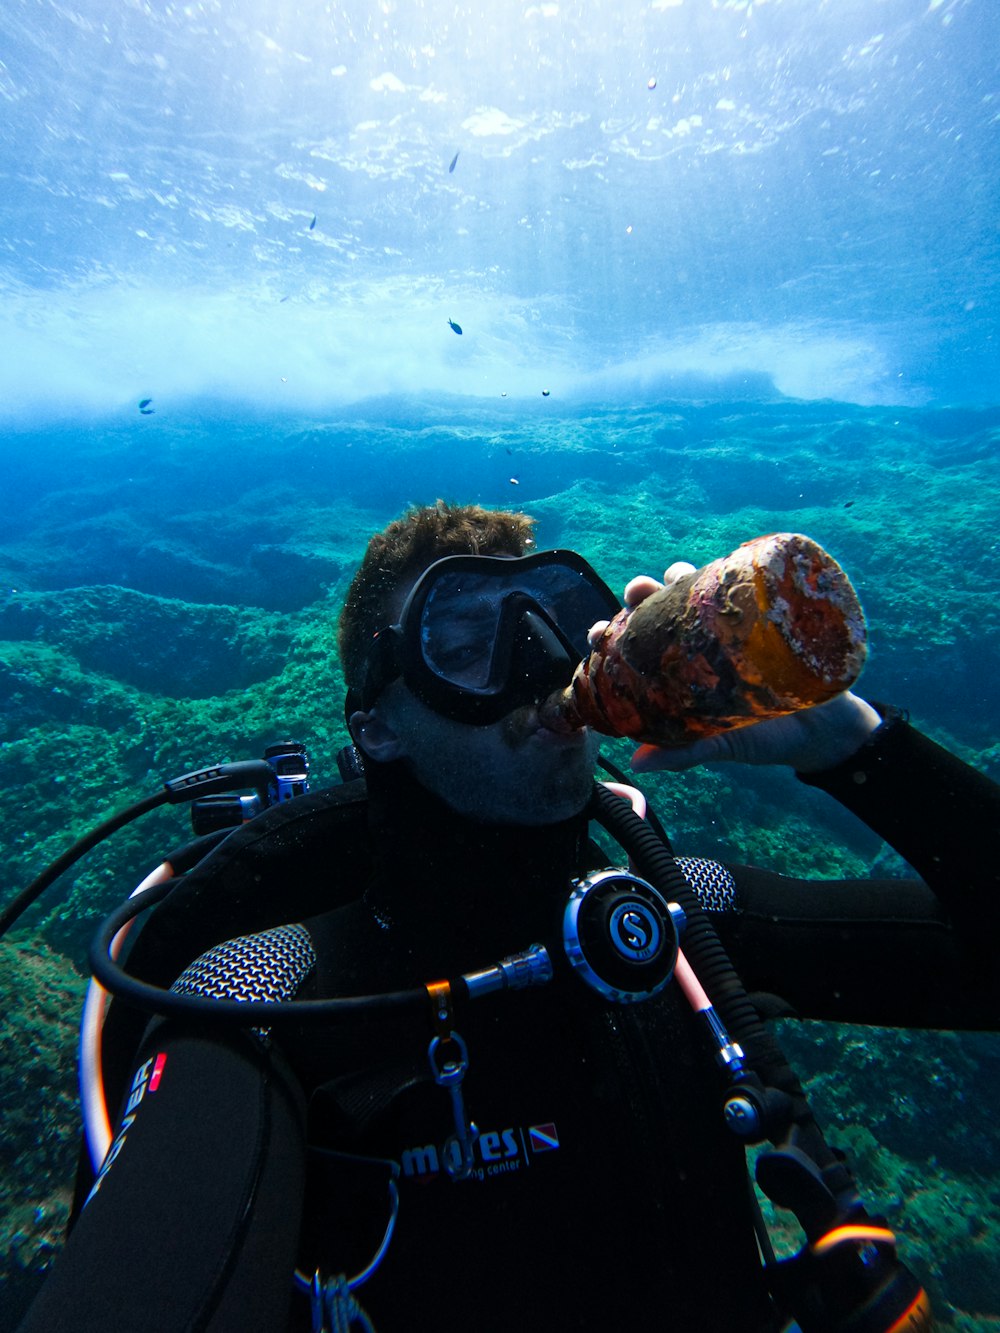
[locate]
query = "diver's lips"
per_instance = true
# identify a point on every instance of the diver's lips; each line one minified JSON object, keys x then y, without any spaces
{"x":556,"y":740}
{"x":528,"y":723}
{"x":558,"y":735}
{"x":557,"y":713}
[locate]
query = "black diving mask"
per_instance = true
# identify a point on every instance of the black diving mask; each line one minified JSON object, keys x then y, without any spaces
{"x":479,"y":636}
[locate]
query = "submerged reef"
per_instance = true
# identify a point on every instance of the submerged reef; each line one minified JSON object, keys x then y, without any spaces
{"x":153,"y":643}
{"x":914,"y":1111}
{"x":161,"y":612}
{"x":41,"y":995}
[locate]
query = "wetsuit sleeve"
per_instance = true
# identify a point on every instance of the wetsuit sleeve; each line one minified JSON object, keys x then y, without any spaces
{"x":193,"y":1223}
{"x":940,"y":814}
{"x":898,"y":951}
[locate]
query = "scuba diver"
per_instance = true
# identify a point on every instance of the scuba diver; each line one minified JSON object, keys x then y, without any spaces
{"x":521,"y":1111}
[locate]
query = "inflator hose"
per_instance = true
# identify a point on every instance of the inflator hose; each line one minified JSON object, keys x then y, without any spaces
{"x":714,"y":969}
{"x":255,"y":773}
{"x":37,"y":887}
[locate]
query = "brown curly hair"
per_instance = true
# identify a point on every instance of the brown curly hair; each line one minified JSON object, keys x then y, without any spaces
{"x":406,"y":547}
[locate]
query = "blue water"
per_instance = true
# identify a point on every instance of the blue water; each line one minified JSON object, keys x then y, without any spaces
{"x":807,"y":193}
{"x":721,"y":268}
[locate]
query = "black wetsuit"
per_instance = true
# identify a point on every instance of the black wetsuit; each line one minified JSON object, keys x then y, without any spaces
{"x":606,"y":1192}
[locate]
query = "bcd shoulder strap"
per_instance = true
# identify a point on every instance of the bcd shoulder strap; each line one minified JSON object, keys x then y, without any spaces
{"x":295,"y":860}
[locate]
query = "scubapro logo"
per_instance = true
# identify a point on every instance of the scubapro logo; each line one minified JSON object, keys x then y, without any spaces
{"x":635,"y":931}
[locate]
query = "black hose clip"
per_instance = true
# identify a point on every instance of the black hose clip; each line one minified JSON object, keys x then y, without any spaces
{"x":754,"y":1112}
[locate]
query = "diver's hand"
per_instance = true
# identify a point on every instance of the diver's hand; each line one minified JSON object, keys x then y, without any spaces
{"x":642,"y":587}
{"x":810,"y":740}
{"x":638,"y":589}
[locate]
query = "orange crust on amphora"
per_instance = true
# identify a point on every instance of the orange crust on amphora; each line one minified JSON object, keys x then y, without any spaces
{"x":772,"y":628}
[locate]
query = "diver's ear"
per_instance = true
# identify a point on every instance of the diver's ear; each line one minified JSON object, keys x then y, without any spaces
{"x":375,"y":736}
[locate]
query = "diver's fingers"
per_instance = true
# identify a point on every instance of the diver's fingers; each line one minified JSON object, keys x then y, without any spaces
{"x":638,"y":589}
{"x":643,"y":586}
{"x":596,"y":630}
{"x":809,"y":740}
{"x":678,"y":758}
{"x":677,"y":571}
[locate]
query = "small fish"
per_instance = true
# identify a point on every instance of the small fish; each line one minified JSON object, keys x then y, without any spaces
{"x":455,"y":328}
{"x":313,"y":223}
{"x":546,"y":392}
{"x":848,"y":504}
{"x":144,"y":407}
{"x":453,"y":161}
{"x":503,"y":394}
{"x":514,"y":481}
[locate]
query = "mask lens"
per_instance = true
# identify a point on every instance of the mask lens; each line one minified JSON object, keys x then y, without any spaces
{"x":462,"y":617}
{"x":458,"y":630}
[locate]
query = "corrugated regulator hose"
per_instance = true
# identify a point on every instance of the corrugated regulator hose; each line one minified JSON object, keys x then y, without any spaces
{"x":715,"y":971}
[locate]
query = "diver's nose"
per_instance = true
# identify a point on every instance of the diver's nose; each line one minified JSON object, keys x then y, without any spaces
{"x":542,"y":660}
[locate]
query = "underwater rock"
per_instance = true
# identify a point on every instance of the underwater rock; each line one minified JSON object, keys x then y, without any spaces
{"x":41,"y":685}
{"x":165,"y":646}
{"x":40,"y":998}
{"x":291,"y":577}
{"x":165,"y":569}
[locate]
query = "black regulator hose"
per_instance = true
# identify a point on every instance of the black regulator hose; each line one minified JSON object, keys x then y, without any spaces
{"x":202,"y":782}
{"x":80,"y":848}
{"x":717,"y":974}
{"x":242,"y":1013}
{"x":651,"y":817}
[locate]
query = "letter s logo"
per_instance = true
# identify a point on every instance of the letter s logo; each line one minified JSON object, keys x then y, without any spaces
{"x":635,"y":932}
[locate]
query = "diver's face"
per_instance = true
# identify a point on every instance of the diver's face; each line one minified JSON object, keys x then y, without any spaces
{"x":512,"y":772}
